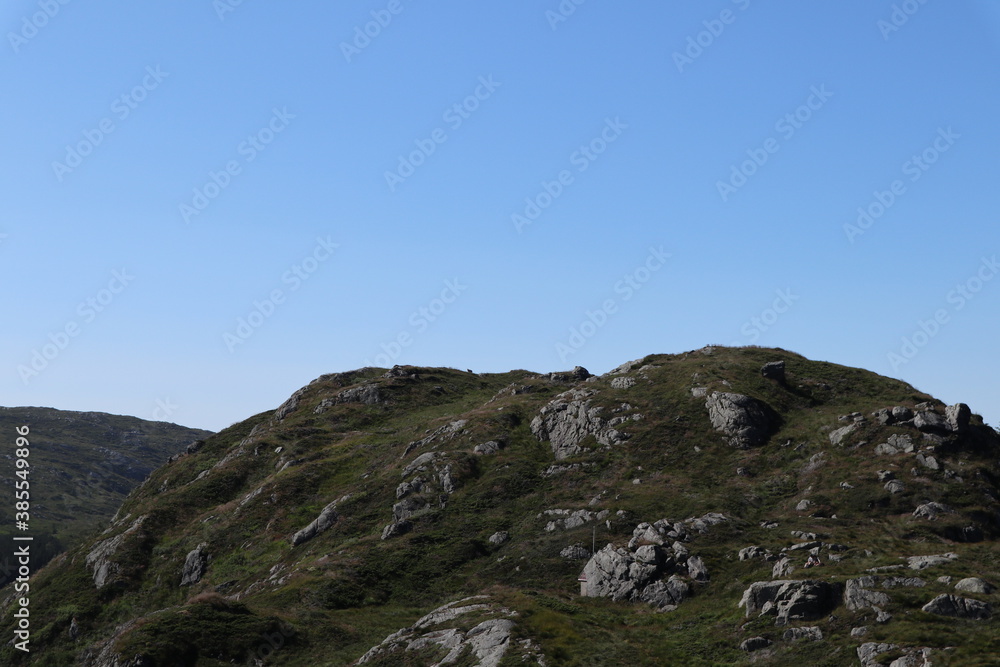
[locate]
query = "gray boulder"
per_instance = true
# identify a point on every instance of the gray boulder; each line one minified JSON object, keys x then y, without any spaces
{"x":930,"y":422}
{"x":924,"y":562}
{"x":869,"y":652}
{"x":895,"y":486}
{"x":774,"y":370}
{"x":956,"y":607}
{"x":811,"y":633}
{"x":745,"y":420}
{"x":623,"y":575}
{"x":622,"y":383}
{"x":793,"y":600}
{"x":974,"y":585}
{"x":903,"y":582}
{"x":610,"y":573}
{"x":858,"y":596}
{"x":957,"y":417}
{"x":396,"y":528}
{"x":696,"y":569}
{"x":195,"y":565}
{"x":575,"y":552}
{"x":578,"y":374}
{"x":902,"y":413}
{"x":665,"y":595}
{"x":754,"y":644}
{"x":498,"y":538}
{"x":325,"y":519}
{"x":837,"y":437}
{"x":488,"y":448}
{"x":930,"y":511}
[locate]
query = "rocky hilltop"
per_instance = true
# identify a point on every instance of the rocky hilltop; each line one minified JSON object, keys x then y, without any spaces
{"x":722,"y":506}
{"x":83,"y":464}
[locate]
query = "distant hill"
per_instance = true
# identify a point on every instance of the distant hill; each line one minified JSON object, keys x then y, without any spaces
{"x":724,"y":506}
{"x":83,"y":464}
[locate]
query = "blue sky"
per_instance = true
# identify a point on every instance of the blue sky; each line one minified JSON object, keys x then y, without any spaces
{"x":207,"y":204}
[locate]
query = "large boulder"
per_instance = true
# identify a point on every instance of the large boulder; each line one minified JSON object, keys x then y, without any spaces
{"x":747,"y":421}
{"x":858,"y":596}
{"x":974,"y":585}
{"x":956,"y":607}
{"x":195,"y":565}
{"x":957,"y":417}
{"x":792,"y":600}
{"x":774,"y":370}
{"x":929,"y":421}
{"x":649,"y":573}
{"x":614,"y":573}
{"x":754,"y":644}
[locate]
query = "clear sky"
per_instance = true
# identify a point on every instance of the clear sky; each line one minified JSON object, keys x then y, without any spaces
{"x":208,"y":204}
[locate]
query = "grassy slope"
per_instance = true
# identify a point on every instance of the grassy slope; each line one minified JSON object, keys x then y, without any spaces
{"x":337,"y":595}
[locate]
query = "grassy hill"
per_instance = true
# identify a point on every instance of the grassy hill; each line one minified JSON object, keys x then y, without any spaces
{"x":310,"y":534}
{"x":83,"y":466}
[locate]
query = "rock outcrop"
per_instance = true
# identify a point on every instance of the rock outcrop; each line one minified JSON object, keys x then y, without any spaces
{"x":745,"y":420}
{"x":100,"y":560}
{"x":488,"y":640}
{"x":857,"y":594}
{"x":774,"y":370}
{"x":571,"y":417}
{"x":325,"y":519}
{"x":806,"y":600}
{"x":974,"y":585}
{"x":648,"y":570}
{"x":956,"y":607}
{"x":924,"y":562}
{"x":366,"y":394}
{"x":195,"y":565}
